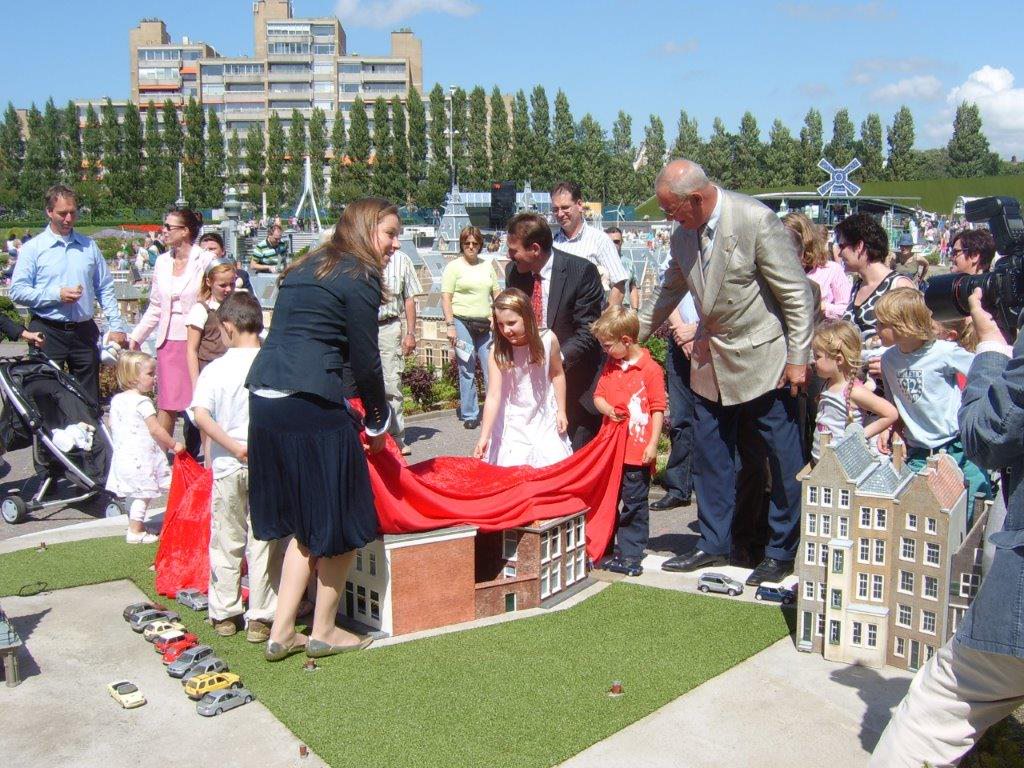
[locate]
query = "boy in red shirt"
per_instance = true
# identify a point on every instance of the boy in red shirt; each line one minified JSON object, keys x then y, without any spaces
{"x":631,"y":387}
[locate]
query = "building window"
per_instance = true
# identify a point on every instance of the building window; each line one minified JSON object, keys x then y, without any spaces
{"x":900,"y":646}
{"x":911,"y":522}
{"x":361,"y":600}
{"x":865,"y":517}
{"x":880,"y":551}
{"x":826,"y":497}
{"x":837,"y":599}
{"x":373,"y":564}
{"x":931,"y":553}
{"x":826,"y":525}
{"x":969,"y":583}
{"x":359,"y":559}
{"x":844,"y":498}
{"x":872,"y":635}
{"x":864,"y":551}
{"x":906,"y":582}
{"x":908,"y":549}
{"x":904,"y":615}
{"x":812,"y":494}
{"x":288,"y":48}
{"x":928,"y":622}
{"x":581,"y":539}
{"x":808,"y":590}
{"x":821,"y":591}
{"x":374,"y":605}
{"x":810,"y":557}
{"x":556,"y":577}
{"x":581,"y":568}
{"x":930,"y":525}
{"x":350,"y":599}
{"x":510,"y":602}
{"x":880,"y":519}
{"x":857,"y":633}
{"x":824,"y":554}
{"x":570,"y":571}
{"x":834,"y":631}
{"x":510,"y":570}
{"x":931,"y":587}
{"x":323,"y":49}
{"x":929,"y":651}
{"x":812,"y":524}
{"x":862,"y":586}
{"x":844,"y":527}
{"x":877,"y":586}
{"x":556,"y":542}
{"x":806,"y":627}
{"x":570,"y":536}
{"x":820,"y":630}
{"x":510,"y":545}
{"x":837,"y":561}
{"x":545,"y":581}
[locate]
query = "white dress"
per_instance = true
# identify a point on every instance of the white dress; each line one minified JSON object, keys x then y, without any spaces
{"x":139,"y":468}
{"x":525,"y":430}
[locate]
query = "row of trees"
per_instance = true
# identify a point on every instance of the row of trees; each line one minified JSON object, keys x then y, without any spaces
{"x":132,"y":162}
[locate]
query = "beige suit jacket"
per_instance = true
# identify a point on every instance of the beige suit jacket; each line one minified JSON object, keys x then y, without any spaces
{"x":755,"y":306}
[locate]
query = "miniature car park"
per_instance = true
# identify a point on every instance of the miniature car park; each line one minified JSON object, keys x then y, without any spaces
{"x":154,"y":629}
{"x":200,"y":685}
{"x":141,"y":620}
{"x":168,"y":639}
{"x":174,"y":650}
{"x":207,"y":666}
{"x":126,"y":693}
{"x":775,"y":594}
{"x":136,"y":608}
{"x":185,"y":661}
{"x":719,"y":582}
{"x":193,"y":598}
{"x":218,"y":702}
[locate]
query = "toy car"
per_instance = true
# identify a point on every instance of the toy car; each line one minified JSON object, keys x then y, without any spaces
{"x":194,"y":599}
{"x":155,"y":628}
{"x":167,"y":639}
{"x":719,"y":582}
{"x":775,"y":595}
{"x":200,"y":685}
{"x":126,"y":694}
{"x":174,"y":650}
{"x":141,"y":620}
{"x":136,"y":608}
{"x":207,"y":666}
{"x":185,"y":661}
{"x":219,"y":702}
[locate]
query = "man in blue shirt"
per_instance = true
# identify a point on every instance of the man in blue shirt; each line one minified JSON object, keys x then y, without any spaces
{"x":60,"y":276}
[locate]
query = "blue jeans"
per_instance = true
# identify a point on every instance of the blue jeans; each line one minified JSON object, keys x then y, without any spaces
{"x":634,"y":514}
{"x":469,"y":403}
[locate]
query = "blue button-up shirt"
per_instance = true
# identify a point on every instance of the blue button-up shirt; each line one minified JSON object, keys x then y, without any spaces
{"x":48,"y":262}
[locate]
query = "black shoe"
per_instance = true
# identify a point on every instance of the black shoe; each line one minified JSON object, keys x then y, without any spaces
{"x":471,"y":423}
{"x":670,"y":500}
{"x":770,"y":569}
{"x":627,"y":566}
{"x":691,"y":562}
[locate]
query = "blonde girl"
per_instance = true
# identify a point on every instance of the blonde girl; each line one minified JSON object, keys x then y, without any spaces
{"x":524,"y":420}
{"x":836,"y":348}
{"x":204,"y":333}
{"x":138,"y":471}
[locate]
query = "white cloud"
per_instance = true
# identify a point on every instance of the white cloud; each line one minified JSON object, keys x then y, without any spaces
{"x":672,"y":48}
{"x":1000,"y":103}
{"x":382,"y":13}
{"x":917,"y":88}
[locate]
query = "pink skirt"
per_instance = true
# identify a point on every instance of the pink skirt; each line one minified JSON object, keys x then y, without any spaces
{"x":173,"y":384}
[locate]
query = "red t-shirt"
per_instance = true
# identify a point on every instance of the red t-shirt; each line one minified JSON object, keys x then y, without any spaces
{"x":637,"y":389}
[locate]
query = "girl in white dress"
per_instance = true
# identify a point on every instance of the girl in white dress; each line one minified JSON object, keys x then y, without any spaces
{"x":524,"y":419}
{"x":138,"y":471}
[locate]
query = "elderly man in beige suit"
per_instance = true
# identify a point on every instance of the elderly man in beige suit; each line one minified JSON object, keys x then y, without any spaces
{"x":749,"y":358}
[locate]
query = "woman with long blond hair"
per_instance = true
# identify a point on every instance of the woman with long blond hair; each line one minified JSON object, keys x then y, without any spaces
{"x":309,"y":477}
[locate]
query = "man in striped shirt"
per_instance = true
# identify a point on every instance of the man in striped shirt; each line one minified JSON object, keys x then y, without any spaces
{"x":270,"y":254}
{"x":581,"y":239}
{"x":401,"y":287}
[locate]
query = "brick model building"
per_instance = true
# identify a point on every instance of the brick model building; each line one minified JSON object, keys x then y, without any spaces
{"x":410,"y":582}
{"x":887,"y":564}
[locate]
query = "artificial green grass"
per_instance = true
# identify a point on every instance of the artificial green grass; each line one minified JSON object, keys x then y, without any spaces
{"x":531,"y":692}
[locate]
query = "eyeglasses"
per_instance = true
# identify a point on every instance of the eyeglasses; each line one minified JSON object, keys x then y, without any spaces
{"x":174,"y":226}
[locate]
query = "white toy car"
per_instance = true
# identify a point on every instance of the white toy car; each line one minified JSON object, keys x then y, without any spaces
{"x":126,"y":693}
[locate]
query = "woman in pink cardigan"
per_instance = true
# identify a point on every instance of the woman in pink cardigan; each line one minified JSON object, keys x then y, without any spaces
{"x":829,"y":275}
{"x":177,"y":277}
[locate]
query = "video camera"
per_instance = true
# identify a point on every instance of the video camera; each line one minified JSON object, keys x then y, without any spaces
{"x":1002,"y":288}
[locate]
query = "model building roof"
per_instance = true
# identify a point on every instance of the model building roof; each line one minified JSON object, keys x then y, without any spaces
{"x":853,"y":453}
{"x":945,"y":480}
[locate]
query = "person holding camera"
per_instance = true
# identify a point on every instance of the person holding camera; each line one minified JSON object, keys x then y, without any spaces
{"x":977,"y":678}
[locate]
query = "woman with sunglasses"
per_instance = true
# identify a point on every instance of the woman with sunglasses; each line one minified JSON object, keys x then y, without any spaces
{"x":177,"y":280}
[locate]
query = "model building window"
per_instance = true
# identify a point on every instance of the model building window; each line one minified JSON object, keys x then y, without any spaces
{"x":865,"y":517}
{"x":556,"y":542}
{"x":858,"y":631}
{"x":826,"y":497}
{"x":837,"y":598}
{"x":862,"y":586}
{"x":373,"y":564}
{"x":928,"y":622}
{"x":872,"y":635}
{"x":350,"y":599}
{"x":911,"y":522}
{"x":880,"y":519}
{"x":930,"y":525}
{"x":510,"y":544}
{"x":821,"y":625}
{"x":361,"y":599}
{"x":824,"y":554}
{"x":510,"y":602}
{"x":864,"y":551}
{"x":545,"y":581}
{"x":844,"y":527}
{"x":812,"y":494}
{"x":978,"y":552}
{"x":581,"y":563}
{"x":969,"y":583}
{"x":929,"y":651}
{"x":837,"y":561}
{"x":907,"y":582}
{"x":908,"y":549}
{"x":880,"y":551}
{"x":821,"y":591}
{"x":904,"y":615}
{"x":877,"y":586}
{"x":812,"y":524}
{"x":806,"y":626}
{"x":556,"y":577}
{"x":931,"y":587}
{"x":374,"y":605}
{"x":826,"y":525}
{"x":834,"y":631}
{"x":900,"y":646}
{"x":931,"y":554}
{"x":844,"y":498}
{"x":510,"y":570}
{"x":359,"y":559}
{"x":810,"y":557}
{"x":570,"y":571}
{"x":808,"y":590}
{"x":570,"y":536}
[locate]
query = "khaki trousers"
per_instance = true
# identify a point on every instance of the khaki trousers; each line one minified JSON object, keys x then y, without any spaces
{"x":952,"y":701}
{"x":392,"y":361}
{"x":231,"y":540}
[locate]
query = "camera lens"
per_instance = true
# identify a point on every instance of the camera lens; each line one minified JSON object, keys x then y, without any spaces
{"x":946,"y":295}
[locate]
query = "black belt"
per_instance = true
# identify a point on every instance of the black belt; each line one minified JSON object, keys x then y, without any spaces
{"x":387,"y":321}
{"x":60,"y":324}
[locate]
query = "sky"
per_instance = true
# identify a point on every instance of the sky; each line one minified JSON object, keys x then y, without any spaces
{"x":776,"y":59}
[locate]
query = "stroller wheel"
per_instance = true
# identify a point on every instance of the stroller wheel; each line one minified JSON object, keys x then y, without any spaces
{"x":14,"y":510}
{"x":114,"y":508}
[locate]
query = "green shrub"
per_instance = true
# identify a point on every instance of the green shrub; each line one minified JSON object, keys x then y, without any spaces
{"x":7,"y":308}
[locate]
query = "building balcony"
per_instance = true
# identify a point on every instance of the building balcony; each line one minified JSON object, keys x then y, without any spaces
{"x":234,"y":115}
{"x":247,"y":78}
{"x":290,"y":77}
{"x":306,"y":94}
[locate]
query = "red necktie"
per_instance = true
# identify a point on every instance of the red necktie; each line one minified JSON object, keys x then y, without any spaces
{"x":537,"y":299}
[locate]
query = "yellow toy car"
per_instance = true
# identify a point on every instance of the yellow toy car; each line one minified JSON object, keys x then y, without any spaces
{"x":201,"y":685}
{"x":126,"y":694}
{"x":152,"y":631}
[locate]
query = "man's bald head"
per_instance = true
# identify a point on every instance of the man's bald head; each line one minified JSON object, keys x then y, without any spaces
{"x":685,"y":194}
{"x":682,"y":177}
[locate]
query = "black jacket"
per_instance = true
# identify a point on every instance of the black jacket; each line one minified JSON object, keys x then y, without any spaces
{"x":318,"y":327}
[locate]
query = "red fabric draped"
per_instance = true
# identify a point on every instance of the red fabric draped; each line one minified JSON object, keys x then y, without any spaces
{"x":183,"y":557}
{"x":452,"y":490}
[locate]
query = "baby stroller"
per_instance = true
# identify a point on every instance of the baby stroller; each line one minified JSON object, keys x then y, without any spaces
{"x":40,"y":403}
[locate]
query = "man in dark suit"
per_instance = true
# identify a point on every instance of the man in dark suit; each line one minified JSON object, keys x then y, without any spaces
{"x":567,"y":296}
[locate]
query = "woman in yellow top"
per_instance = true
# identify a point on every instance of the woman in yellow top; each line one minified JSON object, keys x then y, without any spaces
{"x":467,"y":286}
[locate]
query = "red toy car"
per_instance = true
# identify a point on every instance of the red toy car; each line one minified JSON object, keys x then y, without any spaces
{"x":174,"y":650}
{"x":162,"y":646}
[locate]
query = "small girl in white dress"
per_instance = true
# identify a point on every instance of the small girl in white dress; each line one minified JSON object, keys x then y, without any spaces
{"x":138,"y":471}
{"x":524,"y":419}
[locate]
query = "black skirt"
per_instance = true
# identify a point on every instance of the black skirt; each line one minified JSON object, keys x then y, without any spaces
{"x":308,"y":475}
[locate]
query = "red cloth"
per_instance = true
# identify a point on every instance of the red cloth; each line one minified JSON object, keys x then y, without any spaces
{"x":183,"y":557}
{"x":452,"y":490}
{"x":537,"y":299}
{"x":641,"y":384}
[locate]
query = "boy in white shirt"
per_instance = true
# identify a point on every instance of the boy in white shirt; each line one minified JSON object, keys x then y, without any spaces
{"x":221,"y":406}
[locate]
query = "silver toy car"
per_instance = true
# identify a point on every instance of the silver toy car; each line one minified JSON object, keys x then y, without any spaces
{"x":194,"y":599}
{"x":180,"y":666}
{"x":218,"y":702}
{"x":137,"y":608}
{"x":141,"y":620}
{"x":206,"y":666}
{"x":719,"y":582}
